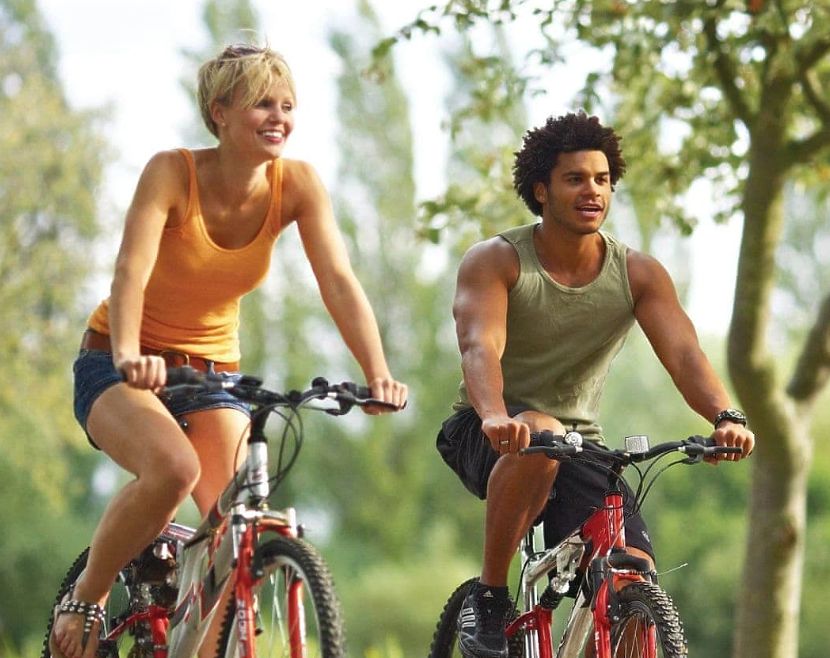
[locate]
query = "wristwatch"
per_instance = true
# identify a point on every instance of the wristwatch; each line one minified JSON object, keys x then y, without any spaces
{"x":734,"y":415}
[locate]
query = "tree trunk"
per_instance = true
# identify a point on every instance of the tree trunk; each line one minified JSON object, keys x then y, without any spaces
{"x":768,"y":608}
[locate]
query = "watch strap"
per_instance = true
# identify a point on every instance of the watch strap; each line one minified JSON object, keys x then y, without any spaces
{"x":733,"y":415}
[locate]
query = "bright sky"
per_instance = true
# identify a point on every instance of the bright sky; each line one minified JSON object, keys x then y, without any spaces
{"x":127,"y":55}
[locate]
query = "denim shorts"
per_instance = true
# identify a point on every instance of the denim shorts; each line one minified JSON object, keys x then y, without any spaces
{"x":95,"y":373}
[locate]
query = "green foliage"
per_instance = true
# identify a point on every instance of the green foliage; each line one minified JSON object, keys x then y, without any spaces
{"x":226,"y":21}
{"x":398,"y":530}
{"x":51,"y":162}
{"x":404,"y":595}
{"x":682,"y":80}
{"x":487,"y":118}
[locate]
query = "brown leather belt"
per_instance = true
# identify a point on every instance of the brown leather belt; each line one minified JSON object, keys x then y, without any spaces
{"x":93,"y":340}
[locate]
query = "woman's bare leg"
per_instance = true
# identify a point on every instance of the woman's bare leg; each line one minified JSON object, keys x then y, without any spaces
{"x":133,"y":428}
{"x":219,"y":438}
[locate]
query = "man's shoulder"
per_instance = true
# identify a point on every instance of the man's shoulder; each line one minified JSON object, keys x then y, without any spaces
{"x":493,"y":247}
{"x":493,"y":257}
{"x":517,"y":234}
{"x":644,"y":272}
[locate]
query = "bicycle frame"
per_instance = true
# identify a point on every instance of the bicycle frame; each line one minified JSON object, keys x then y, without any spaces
{"x":217,"y":553}
{"x":604,"y":533}
{"x":175,"y":585}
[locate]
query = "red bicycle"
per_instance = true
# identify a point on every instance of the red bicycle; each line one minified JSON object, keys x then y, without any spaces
{"x":619,"y":609}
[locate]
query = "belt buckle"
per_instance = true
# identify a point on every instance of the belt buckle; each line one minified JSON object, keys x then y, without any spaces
{"x":170,"y":357}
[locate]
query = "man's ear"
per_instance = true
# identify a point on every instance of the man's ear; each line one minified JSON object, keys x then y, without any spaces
{"x":540,"y":192}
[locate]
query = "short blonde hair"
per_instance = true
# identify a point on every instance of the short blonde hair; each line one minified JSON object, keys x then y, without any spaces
{"x":241,"y":66}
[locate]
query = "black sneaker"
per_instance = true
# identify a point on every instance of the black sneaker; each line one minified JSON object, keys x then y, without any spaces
{"x":482,"y":620}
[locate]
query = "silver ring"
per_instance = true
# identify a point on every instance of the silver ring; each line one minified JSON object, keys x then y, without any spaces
{"x":504,"y":443}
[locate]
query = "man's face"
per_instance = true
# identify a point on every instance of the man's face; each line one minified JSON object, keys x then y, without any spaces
{"x":578,"y":194}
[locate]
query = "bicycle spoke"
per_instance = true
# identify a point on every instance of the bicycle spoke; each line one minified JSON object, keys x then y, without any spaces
{"x":296,"y":612}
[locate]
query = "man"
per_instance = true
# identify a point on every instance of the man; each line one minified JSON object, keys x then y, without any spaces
{"x":541,"y":310}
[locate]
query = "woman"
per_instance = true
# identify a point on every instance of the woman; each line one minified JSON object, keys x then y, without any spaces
{"x":198,"y":235}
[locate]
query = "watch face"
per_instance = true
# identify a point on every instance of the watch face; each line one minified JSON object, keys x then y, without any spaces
{"x":735,"y":415}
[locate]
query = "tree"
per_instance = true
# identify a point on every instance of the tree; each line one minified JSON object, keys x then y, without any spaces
{"x":51,"y":164}
{"x":738,"y":87}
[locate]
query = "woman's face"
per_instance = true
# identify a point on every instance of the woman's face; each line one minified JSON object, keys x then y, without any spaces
{"x":264,"y":127}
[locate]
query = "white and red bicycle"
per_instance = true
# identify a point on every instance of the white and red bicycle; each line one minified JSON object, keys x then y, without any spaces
{"x":283,"y":602}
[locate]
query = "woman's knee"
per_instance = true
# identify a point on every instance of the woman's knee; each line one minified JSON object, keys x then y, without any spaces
{"x":173,"y":472}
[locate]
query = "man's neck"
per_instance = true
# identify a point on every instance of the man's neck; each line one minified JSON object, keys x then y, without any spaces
{"x":571,"y":259}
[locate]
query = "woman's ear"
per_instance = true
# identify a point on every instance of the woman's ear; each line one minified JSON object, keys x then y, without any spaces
{"x":217,"y":113}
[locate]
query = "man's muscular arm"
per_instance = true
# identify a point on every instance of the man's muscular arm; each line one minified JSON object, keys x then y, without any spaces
{"x":485,"y":276}
{"x":674,"y":339}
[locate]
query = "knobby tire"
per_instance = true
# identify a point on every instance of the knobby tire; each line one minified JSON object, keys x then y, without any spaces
{"x":646,"y":603}
{"x":117,"y":603}
{"x":445,"y":640}
{"x":639,"y":603}
{"x":284,"y":559}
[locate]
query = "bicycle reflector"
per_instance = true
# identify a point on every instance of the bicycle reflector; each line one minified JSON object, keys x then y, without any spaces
{"x":636,"y":444}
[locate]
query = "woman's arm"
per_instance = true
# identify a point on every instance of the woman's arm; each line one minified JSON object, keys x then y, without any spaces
{"x":157,"y":193}
{"x":340,"y":290}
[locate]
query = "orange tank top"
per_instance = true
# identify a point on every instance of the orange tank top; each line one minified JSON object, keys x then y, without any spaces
{"x":191,"y":302}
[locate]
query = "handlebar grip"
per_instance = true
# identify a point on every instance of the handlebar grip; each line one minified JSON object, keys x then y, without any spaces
{"x":184,"y":375}
{"x":728,"y":450}
{"x":712,"y":448}
{"x":363,"y":395}
{"x":552,"y":451}
{"x":552,"y":445}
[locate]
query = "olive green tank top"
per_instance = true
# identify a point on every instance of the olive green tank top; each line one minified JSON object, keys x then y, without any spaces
{"x":561,"y":340}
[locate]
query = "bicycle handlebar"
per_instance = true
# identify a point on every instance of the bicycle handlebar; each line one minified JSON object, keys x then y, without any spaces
{"x":557,"y":446}
{"x":186,"y":381}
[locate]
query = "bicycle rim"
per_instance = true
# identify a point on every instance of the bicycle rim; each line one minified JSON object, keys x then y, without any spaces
{"x":296,"y":613}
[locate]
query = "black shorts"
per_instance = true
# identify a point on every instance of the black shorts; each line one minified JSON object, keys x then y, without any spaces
{"x":578,"y":491}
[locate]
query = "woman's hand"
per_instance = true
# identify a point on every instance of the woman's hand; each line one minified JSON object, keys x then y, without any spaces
{"x":143,"y":371}
{"x":388,"y":390}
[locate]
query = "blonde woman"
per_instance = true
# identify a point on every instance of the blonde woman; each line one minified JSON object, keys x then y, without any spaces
{"x":198,"y":235}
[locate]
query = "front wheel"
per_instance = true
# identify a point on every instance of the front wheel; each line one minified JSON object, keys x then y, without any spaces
{"x":644,"y":624}
{"x":647,"y":616}
{"x":296,"y":612}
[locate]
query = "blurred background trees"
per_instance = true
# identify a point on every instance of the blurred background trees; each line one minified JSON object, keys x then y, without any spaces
{"x":396,"y":527}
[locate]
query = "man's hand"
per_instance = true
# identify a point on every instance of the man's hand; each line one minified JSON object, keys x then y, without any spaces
{"x":733,"y":435}
{"x":506,"y":434}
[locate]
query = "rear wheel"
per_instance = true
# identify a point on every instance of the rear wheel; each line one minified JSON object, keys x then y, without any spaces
{"x":290,"y":565}
{"x":122,"y":601}
{"x":445,"y":640}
